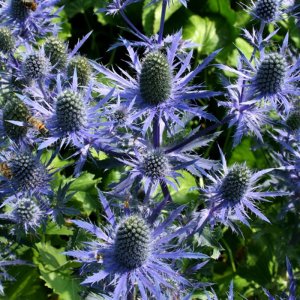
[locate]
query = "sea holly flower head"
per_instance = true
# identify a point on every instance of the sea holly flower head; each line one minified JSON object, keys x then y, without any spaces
{"x":7,"y":40}
{"x":161,"y":85}
{"x":131,"y":254}
{"x":151,"y":166}
{"x":56,"y":51}
{"x":83,"y":68}
{"x":248,"y":117}
{"x":24,"y":172}
{"x":269,"y":11}
{"x":233,"y":192}
{"x":271,"y":79}
{"x":28,"y":214}
{"x":29,"y":18}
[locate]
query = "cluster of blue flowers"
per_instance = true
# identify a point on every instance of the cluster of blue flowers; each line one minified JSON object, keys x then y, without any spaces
{"x":56,"y":103}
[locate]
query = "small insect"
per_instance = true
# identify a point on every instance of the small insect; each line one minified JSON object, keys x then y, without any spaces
{"x":5,"y":170}
{"x":30,"y":4}
{"x":97,"y":256}
{"x":38,"y":124}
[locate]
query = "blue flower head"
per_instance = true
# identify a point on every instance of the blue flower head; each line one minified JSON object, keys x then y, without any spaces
{"x":161,"y":86}
{"x":28,"y":214}
{"x":233,"y":192}
{"x":23,"y":172}
{"x":269,"y":11}
{"x":130,"y":254}
{"x":29,"y":18}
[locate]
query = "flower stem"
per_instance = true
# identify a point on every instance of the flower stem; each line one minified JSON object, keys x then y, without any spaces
{"x":131,"y":25}
{"x":162,"y":21}
{"x":156,"y":132}
{"x":167,"y":199}
{"x":199,"y":134}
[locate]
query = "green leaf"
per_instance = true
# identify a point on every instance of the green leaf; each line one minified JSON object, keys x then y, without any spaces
{"x":184,"y":195}
{"x":54,"y":229}
{"x":152,"y":13}
{"x":27,"y":286}
{"x":85,"y":187}
{"x":55,"y":271}
{"x":202,"y":31}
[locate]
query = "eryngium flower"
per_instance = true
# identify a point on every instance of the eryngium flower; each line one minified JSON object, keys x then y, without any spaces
{"x":130,"y":255}
{"x":56,"y":51}
{"x":155,"y":78}
{"x":35,"y":66}
{"x":83,"y":68}
{"x":235,"y":191}
{"x":270,"y":75}
{"x":70,"y":111}
{"x":271,"y":79}
{"x":28,"y":214}
{"x":7,"y":40}
{"x":267,"y":10}
{"x":29,"y":18}
{"x":15,"y":110}
{"x":161,"y":85}
{"x":23,"y":172}
{"x":154,"y":166}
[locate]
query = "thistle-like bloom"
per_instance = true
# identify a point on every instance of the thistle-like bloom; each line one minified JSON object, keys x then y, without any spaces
{"x":28,"y":214}
{"x":271,"y":79}
{"x":233,"y":192}
{"x":129,"y":254}
{"x":70,"y":119}
{"x":157,"y":88}
{"x":29,"y":18}
{"x":152,"y":166}
{"x":246,"y":116}
{"x":267,"y":11}
{"x":7,"y":40}
{"x":23,"y":172}
{"x":292,"y":286}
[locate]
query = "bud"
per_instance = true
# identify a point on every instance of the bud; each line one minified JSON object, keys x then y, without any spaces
{"x":70,"y":111}
{"x":120,"y":116}
{"x":56,"y":51}
{"x":132,"y":243}
{"x":235,"y":183}
{"x":155,"y":164}
{"x":83,"y":69}
{"x":155,"y":79}
{"x":35,"y":66}
{"x":14,"y":110}
{"x":266,"y":10}
{"x":270,"y":74}
{"x":7,"y":40}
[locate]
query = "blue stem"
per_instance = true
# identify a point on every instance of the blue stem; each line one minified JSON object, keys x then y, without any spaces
{"x":162,"y":21}
{"x":156,"y":131}
{"x":131,"y":25}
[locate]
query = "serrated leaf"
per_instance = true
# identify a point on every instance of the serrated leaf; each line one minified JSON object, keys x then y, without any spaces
{"x":184,"y":194}
{"x":55,"y":271}
{"x":54,"y":229}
